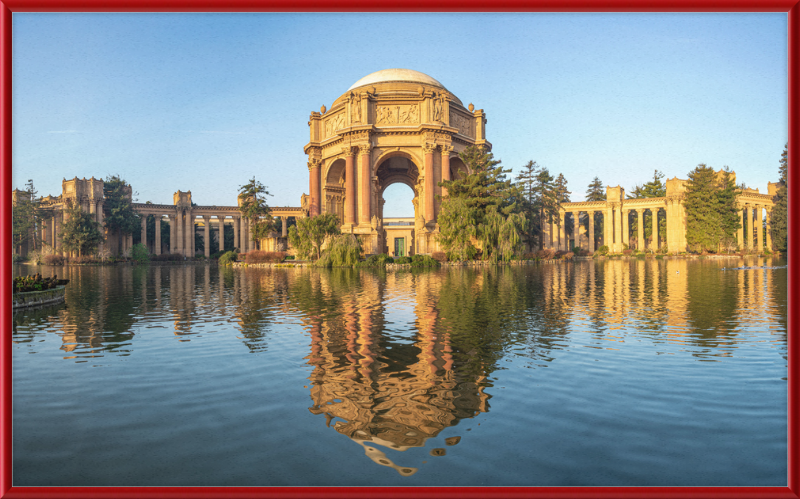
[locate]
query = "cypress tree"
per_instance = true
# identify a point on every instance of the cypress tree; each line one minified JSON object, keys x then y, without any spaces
{"x":780,"y":214}
{"x":711,"y":212}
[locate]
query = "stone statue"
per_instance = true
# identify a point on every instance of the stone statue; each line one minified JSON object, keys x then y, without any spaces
{"x":356,"y":109}
{"x":437,"y":107}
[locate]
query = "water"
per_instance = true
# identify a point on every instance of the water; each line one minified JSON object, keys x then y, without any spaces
{"x":621,"y":372}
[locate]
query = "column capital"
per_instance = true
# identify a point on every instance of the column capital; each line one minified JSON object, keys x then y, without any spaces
{"x":364,"y":149}
{"x":428,"y":148}
{"x":348,"y":150}
{"x":313,"y":163}
{"x":446,"y":149}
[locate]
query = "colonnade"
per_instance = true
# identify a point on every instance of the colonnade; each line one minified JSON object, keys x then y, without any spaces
{"x":183,"y":228}
{"x":617,"y":231}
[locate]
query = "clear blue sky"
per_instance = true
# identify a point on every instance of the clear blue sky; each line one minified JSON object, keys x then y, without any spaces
{"x":204,"y":102}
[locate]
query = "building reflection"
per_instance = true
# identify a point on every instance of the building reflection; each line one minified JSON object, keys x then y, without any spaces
{"x":384,"y":391}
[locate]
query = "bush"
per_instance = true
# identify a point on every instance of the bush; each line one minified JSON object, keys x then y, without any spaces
{"x":403,"y":260}
{"x":546,"y":254}
{"x":565,"y":255}
{"x":581,"y":252}
{"x":603,"y":250}
{"x":265,"y":257}
{"x":530,"y":256}
{"x":343,"y":251}
{"x":167,"y":257}
{"x":423,"y":261}
{"x":139,"y":253}
{"x":289,"y":257}
{"x":53,"y":260}
{"x":216,"y":255}
{"x":35,"y":257}
{"x":228,"y":258}
{"x":17,"y":258}
{"x":376,"y":261}
{"x":627,"y":252}
{"x":439,"y":256}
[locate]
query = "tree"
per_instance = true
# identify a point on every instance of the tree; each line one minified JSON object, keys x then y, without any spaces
{"x":25,"y":217}
{"x":779,"y":219}
{"x":253,"y":205}
{"x":562,"y":195}
{"x":484,"y":191}
{"x":310,"y":233}
{"x":527,"y":182}
{"x":80,"y":232}
{"x":596,"y":192}
{"x":653,"y":189}
{"x":118,"y":212}
{"x":711,"y":212}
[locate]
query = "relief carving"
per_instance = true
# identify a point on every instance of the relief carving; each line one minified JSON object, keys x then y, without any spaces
{"x":356,"y":109}
{"x":462,"y":123}
{"x":397,"y":115}
{"x":334,"y":124}
{"x":438,"y":106}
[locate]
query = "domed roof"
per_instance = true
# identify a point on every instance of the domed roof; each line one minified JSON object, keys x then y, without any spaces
{"x":406,"y":75}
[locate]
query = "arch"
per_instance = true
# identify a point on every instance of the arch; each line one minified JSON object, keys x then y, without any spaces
{"x":334,"y":170}
{"x":396,"y":153}
{"x":457,"y":168}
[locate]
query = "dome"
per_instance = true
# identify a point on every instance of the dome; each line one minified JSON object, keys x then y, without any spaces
{"x":404,"y":75}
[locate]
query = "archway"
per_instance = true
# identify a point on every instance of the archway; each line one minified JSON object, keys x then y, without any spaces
{"x":398,"y":178}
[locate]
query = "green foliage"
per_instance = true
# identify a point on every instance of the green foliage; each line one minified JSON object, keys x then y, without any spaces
{"x":423,"y":261}
{"x":228,"y":258}
{"x":403,"y":260}
{"x":118,"y":215}
{"x":603,"y":250}
{"x":80,"y":232}
{"x":308,"y":236}
{"x":712,"y":217}
{"x":457,"y":227}
{"x":541,"y":194}
{"x":253,"y":205}
{"x":140,"y":254}
{"x":500,"y":236}
{"x":486,"y":185}
{"x":25,"y":216}
{"x":653,"y":189}
{"x":344,"y":250}
{"x":779,"y":221}
{"x":376,"y":261}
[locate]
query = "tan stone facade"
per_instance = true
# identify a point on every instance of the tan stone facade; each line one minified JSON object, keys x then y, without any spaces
{"x":391,"y":126}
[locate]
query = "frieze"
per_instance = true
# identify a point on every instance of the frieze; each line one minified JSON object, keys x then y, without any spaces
{"x":334,"y":123}
{"x":462,"y":123}
{"x":397,"y":114}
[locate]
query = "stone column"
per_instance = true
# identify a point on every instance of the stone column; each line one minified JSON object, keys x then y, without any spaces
{"x":445,"y":166}
{"x":221,"y":223}
{"x":618,"y":228}
{"x":590,"y":214}
{"x":157,"y":249}
{"x":144,"y":230}
{"x":740,"y":231}
{"x":57,"y":231}
{"x":576,"y":229}
{"x":626,"y":230}
{"x":608,"y":229}
{"x":251,"y":245}
{"x":236,"y":241}
{"x":189,"y":245}
{"x":365,"y":213}
{"x":760,"y":227}
{"x":769,"y":229}
{"x":179,"y":240}
{"x":428,"y":211}
{"x":748,"y":227}
{"x":349,"y":186}
{"x":207,"y":235}
{"x":654,"y":235}
{"x":640,"y":230}
{"x":314,"y":187}
{"x":562,"y":231}
{"x":284,"y":221}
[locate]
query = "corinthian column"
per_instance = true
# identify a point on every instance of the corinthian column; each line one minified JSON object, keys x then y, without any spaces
{"x":314,"y":187}
{"x":366,"y":184}
{"x":640,"y":230}
{"x":157,"y":248}
{"x":748,"y":226}
{"x":221,"y":241}
{"x":759,"y":227}
{"x":207,"y":235}
{"x":178,"y":241}
{"x":654,"y":212}
{"x":562,"y":231}
{"x":349,"y":186}
{"x":236,"y":243}
{"x":740,"y":231}
{"x":144,"y":230}
{"x":428,"y":211}
{"x":445,"y":167}
{"x":769,"y":229}
{"x":590,"y":214}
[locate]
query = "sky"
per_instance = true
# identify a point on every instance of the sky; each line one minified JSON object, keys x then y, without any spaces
{"x":205,"y":102}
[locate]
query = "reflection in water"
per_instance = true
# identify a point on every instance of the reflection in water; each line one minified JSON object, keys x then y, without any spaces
{"x":396,"y":358}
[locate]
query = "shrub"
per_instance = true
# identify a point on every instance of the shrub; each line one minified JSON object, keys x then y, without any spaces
{"x":167,"y":257}
{"x":228,"y":258}
{"x":35,"y":257}
{"x":289,"y":257}
{"x":603,"y":250}
{"x":17,"y":258}
{"x":565,"y":255}
{"x":581,"y":252}
{"x":439,"y":256}
{"x":423,"y":261}
{"x":546,"y":254}
{"x":529,"y":256}
{"x":403,"y":260}
{"x":376,"y":261}
{"x":139,"y":253}
{"x":265,"y":257}
{"x":216,"y":255}
{"x":53,"y":260}
{"x":627,"y":252}
{"x":343,"y":250}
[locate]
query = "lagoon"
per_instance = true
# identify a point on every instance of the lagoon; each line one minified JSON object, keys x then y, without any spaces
{"x":609,"y":372}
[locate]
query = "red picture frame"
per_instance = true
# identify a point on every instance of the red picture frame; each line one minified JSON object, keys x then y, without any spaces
{"x":7,"y":7}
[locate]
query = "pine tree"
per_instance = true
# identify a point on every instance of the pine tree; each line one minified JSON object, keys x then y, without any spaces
{"x":254,"y":206}
{"x":26,"y":216}
{"x":118,"y":213}
{"x":779,"y":221}
{"x":484,"y":191}
{"x":527,"y":182}
{"x":547,"y":203}
{"x":596,"y":192}
{"x":80,"y":231}
{"x":711,"y":212}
